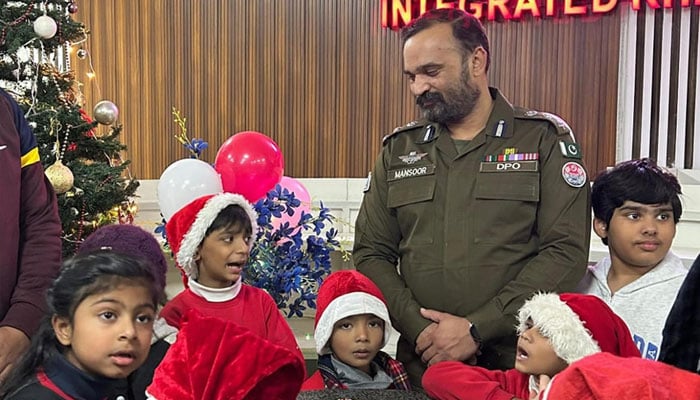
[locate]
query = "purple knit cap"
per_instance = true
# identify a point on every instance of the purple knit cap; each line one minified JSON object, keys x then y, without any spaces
{"x":131,"y":240}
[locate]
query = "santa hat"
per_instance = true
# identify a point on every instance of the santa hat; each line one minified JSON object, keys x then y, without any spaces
{"x":187,"y":227}
{"x":577,"y":325}
{"x":604,"y":376}
{"x":344,"y":294}
{"x":215,"y":359}
{"x":131,"y":240}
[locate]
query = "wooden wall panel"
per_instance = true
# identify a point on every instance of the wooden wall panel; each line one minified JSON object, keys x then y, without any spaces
{"x":321,"y":77}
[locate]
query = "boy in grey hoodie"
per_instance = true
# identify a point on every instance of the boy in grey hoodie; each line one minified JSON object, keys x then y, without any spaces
{"x":636,"y":207}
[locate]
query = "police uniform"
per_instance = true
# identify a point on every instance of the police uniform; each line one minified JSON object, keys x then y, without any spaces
{"x":474,"y":231}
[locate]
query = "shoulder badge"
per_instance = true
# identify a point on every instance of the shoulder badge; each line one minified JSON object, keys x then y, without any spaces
{"x":409,"y":126}
{"x":562,"y":127}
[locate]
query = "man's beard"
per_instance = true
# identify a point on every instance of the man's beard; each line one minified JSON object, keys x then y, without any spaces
{"x":457,"y":103}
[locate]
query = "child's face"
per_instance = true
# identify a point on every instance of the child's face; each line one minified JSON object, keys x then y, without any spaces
{"x":110,"y":334}
{"x":357,"y":339}
{"x":639,"y":235}
{"x":221,"y":257}
{"x":535,"y":355}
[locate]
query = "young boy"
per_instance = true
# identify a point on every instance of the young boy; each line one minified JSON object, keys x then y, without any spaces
{"x":636,"y":207}
{"x":211,"y":238}
{"x":352,"y":326}
{"x":553,"y":332}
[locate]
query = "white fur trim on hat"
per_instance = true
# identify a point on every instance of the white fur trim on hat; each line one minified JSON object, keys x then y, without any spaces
{"x":354,"y":303}
{"x":560,"y":324}
{"x":205,"y":217}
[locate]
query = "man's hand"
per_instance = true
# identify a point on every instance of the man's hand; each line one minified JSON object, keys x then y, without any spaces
{"x":450,"y":340}
{"x":13,"y":343}
{"x":425,"y":339}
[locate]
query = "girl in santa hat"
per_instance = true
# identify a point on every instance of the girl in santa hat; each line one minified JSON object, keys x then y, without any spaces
{"x":352,"y":326}
{"x":553,"y":332}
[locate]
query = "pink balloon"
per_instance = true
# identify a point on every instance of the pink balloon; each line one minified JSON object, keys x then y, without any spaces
{"x":300,"y":192}
{"x":250,"y":164}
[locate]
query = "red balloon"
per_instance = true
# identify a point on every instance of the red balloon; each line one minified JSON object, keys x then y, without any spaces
{"x":250,"y":164}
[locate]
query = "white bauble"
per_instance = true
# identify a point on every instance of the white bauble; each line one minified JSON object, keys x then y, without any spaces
{"x":45,"y":27}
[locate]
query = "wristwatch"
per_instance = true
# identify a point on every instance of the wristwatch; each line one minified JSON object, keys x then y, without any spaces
{"x":475,"y":335}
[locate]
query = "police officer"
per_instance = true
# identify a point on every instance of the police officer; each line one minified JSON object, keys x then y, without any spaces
{"x":480,"y":205}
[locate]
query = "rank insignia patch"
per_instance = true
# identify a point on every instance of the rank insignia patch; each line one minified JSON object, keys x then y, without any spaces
{"x":570,"y":149}
{"x":412,"y":157}
{"x":574,"y":174}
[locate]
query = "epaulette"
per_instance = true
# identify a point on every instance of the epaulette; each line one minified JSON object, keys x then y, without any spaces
{"x":563,"y":129}
{"x":409,"y":126}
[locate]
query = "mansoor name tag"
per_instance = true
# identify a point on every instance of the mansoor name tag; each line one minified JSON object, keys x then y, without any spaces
{"x":509,"y":166}
{"x":411,"y":172}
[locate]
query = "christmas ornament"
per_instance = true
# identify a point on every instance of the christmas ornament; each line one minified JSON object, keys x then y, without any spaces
{"x":105,"y":112}
{"x":45,"y":27}
{"x":24,"y":54}
{"x":72,"y":8}
{"x":81,"y":53}
{"x":60,"y":176}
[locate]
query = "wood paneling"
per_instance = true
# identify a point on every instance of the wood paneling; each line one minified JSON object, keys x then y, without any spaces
{"x":321,"y":77}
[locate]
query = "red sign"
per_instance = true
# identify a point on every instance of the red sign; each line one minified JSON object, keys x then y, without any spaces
{"x":397,"y":13}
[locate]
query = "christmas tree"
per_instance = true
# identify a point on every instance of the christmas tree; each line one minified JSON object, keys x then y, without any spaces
{"x":84,"y":165}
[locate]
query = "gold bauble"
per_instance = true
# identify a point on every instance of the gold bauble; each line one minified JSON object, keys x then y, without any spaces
{"x":60,"y":176}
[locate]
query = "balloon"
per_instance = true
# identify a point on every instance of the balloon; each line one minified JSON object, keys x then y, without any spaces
{"x":183,"y":181}
{"x":301,"y":194}
{"x":250,"y":164}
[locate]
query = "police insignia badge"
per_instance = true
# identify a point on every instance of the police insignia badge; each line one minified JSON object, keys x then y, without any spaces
{"x":574,"y":175}
{"x":367,"y":182}
{"x":412,"y":157}
{"x":570,"y":149}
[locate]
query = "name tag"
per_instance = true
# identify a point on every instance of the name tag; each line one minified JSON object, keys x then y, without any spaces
{"x":509,"y":166}
{"x":412,"y":172}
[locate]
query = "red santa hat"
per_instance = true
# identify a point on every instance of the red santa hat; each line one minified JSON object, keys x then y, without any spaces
{"x":214,"y":359}
{"x":604,"y":376}
{"x":577,"y":325}
{"x":344,"y":294}
{"x":187,"y":227}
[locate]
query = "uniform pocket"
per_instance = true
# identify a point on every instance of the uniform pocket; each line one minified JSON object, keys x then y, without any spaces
{"x":506,"y":204}
{"x":411,"y":199}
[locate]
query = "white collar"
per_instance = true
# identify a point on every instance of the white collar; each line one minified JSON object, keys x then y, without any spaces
{"x":213,"y":295}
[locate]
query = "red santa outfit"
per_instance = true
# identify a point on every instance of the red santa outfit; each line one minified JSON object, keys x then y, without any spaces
{"x":576,"y":325}
{"x":245,"y":305}
{"x":215,"y":359}
{"x":344,"y":294}
{"x":604,"y":376}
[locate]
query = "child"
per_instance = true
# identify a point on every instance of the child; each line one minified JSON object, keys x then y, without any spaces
{"x":101,"y":312}
{"x":636,"y":207}
{"x":211,"y":238}
{"x":553,"y":332}
{"x":132,"y":240}
{"x":352,"y":325}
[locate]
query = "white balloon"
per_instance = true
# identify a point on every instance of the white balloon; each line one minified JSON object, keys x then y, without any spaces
{"x":186,"y":180}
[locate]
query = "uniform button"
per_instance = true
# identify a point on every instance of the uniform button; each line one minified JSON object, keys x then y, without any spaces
{"x":120,"y":398}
